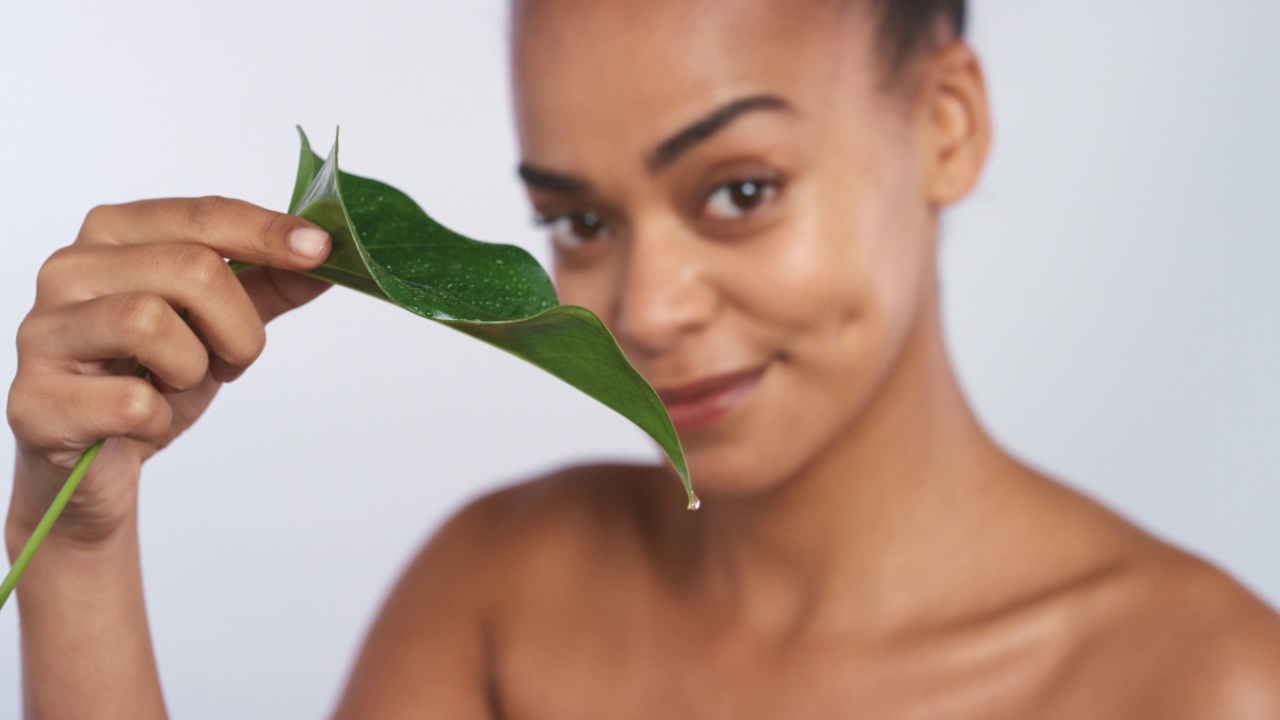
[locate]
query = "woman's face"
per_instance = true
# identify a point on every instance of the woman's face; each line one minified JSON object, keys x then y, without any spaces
{"x":727,"y":188}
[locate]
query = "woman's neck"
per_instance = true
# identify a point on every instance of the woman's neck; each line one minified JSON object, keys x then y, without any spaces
{"x":867,"y":533}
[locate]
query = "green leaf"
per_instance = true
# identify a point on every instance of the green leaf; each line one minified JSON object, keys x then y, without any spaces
{"x":386,"y":246}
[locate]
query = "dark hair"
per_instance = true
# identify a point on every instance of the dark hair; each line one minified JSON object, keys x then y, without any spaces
{"x":907,"y":27}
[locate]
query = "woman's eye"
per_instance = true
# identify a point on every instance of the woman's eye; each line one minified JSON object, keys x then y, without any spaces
{"x":573,"y":230}
{"x":736,"y":199}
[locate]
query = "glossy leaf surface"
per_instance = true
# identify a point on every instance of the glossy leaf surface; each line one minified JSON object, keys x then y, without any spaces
{"x":385,"y":245}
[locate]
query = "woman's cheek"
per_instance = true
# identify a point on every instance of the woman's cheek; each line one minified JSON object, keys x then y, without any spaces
{"x":809,"y":275}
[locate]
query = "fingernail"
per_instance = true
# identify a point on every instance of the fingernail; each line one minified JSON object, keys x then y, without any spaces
{"x":308,"y":242}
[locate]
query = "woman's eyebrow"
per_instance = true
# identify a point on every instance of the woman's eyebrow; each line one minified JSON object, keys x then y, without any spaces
{"x":551,"y":180}
{"x":667,"y":152}
{"x":670,"y":150}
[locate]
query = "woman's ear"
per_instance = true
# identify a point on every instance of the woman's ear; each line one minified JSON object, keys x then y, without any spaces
{"x":955,"y":122}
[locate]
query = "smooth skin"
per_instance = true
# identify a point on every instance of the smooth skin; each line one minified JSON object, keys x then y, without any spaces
{"x":732,"y":187}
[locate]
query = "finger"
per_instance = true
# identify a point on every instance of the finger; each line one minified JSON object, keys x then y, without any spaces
{"x":234,"y":228}
{"x":127,"y":325}
{"x":192,"y":278}
{"x":275,"y":292}
{"x":54,"y":412}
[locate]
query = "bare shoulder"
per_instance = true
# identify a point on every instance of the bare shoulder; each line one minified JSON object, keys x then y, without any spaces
{"x":571,"y":510}
{"x":1171,"y":636}
{"x":543,"y":527}
{"x":431,"y":645}
{"x":1223,"y":641}
{"x":1142,"y":628}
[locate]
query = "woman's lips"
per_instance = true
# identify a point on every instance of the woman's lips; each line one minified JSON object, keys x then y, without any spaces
{"x":703,"y":402}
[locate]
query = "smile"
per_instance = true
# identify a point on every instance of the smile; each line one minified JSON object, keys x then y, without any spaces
{"x":703,"y":402}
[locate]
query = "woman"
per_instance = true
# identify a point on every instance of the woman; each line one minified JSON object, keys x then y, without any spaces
{"x":751,"y":202}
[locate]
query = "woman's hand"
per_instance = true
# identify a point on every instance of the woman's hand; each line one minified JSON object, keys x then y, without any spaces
{"x":144,"y":283}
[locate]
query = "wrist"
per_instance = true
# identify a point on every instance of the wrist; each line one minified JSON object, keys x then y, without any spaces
{"x":73,"y":547}
{"x":88,"y":521}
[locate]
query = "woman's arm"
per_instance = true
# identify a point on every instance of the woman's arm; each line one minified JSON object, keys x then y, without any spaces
{"x":86,"y":647}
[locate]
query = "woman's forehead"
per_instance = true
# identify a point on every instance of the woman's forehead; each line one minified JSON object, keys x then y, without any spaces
{"x":625,"y":63}
{"x":627,"y":30}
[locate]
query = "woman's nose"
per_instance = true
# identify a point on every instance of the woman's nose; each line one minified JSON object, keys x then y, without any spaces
{"x":665,"y":294}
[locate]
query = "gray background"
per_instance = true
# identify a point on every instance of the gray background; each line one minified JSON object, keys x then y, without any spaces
{"x":1108,"y":288}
